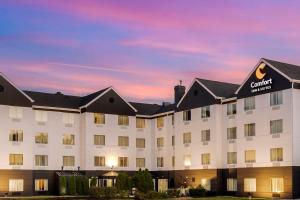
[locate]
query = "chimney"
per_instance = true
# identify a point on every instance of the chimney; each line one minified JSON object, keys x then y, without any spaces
{"x":179,"y":91}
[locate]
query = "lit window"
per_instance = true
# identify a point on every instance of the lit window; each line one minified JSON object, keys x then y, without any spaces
{"x":187,"y":159}
{"x":99,"y":161}
{"x":123,"y":120}
{"x":41,"y":138}
{"x":15,"y":112}
{"x":16,"y":185}
{"x":68,"y":139}
{"x":41,"y":184}
{"x":160,"y":142}
{"x":205,"y":159}
{"x":231,"y":157}
{"x":276,"y":126}
{"x":277,"y":185}
{"x":187,"y":115}
{"x":16,"y":136}
{"x":68,"y":161}
{"x":205,"y":135}
{"x":250,"y":185}
{"x":123,"y":141}
{"x":41,"y":116}
{"x":68,"y":118}
{"x":231,"y":109}
{"x":41,"y":160}
{"x":160,"y":162}
{"x":15,"y":159}
{"x":231,"y":133}
{"x":276,"y":154}
{"x":205,"y":183}
{"x":123,"y":162}
{"x":231,"y":185}
{"x":205,"y":112}
{"x":140,"y":142}
{"x":249,"y":103}
{"x":99,"y":139}
{"x":276,"y":98}
{"x":99,"y":118}
{"x":250,"y":156}
{"x":187,"y":138}
{"x":140,"y":122}
{"x":160,"y":122}
{"x":249,"y":130}
{"x":140,"y":162}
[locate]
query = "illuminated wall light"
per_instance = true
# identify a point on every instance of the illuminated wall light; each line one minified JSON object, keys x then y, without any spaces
{"x":112,"y":161}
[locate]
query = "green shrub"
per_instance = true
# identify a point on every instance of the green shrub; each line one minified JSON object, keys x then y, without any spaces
{"x":122,"y":181}
{"x":72,"y":185}
{"x":197,"y":192}
{"x":79,"y":183}
{"x":62,"y":185}
{"x":173,"y":193}
{"x":143,"y":181}
{"x":103,"y":192}
{"x":85,"y":185}
{"x":93,"y":182}
{"x":156,"y":195}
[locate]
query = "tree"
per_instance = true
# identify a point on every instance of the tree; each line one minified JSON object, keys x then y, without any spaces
{"x":143,"y":181}
{"x":62,"y":185}
{"x":93,"y":182}
{"x":71,"y":185}
{"x":122,"y":181}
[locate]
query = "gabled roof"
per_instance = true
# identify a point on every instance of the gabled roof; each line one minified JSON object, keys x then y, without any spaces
{"x":220,"y":89}
{"x":88,"y":98}
{"x":57,"y":100}
{"x":292,"y":71}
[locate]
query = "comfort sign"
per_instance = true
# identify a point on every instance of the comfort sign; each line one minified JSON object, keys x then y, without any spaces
{"x":263,"y":84}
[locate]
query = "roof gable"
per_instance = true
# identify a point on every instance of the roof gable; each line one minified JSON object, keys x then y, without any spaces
{"x":12,"y":95}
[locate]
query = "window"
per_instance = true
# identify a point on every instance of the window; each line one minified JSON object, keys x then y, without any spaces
{"x":205,"y":112}
{"x":160,"y":122}
{"x":187,"y":115}
{"x":15,"y":112}
{"x":68,"y":161}
{"x":123,"y":120}
{"x":205,"y":183}
{"x":231,"y":133}
{"x":187,"y":159}
{"x":15,"y":159}
{"x":68,"y":139}
{"x":41,"y":116}
{"x":123,"y":141}
{"x":231,"y":157}
{"x":160,"y":142}
{"x":173,"y":140}
{"x":173,"y":161}
{"x":140,"y":142}
{"x":41,"y":138}
{"x":249,"y":130}
{"x":99,"y":161}
{"x":16,"y":185}
{"x":123,"y":162}
{"x":140,"y":162}
{"x":140,"y":122}
{"x":276,"y":154}
{"x":250,"y":156}
{"x":276,"y":126}
{"x":16,"y":136}
{"x":99,"y":118}
{"x":187,"y":138}
{"x":249,"y":103}
{"x":231,"y":109}
{"x":205,"y":159}
{"x":99,"y":139}
{"x":231,"y":185}
{"x":277,"y":185}
{"x":276,"y":98}
{"x":250,"y":185}
{"x":68,"y":118}
{"x":205,"y":135}
{"x":41,"y":184}
{"x":160,"y":162}
{"x":41,"y":160}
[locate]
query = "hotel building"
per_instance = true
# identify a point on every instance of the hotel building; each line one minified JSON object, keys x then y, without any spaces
{"x":235,"y":139}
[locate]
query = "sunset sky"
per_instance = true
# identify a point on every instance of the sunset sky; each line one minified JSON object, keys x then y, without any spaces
{"x":142,"y":48}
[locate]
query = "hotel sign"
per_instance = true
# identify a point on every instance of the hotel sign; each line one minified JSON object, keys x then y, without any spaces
{"x":262,"y":84}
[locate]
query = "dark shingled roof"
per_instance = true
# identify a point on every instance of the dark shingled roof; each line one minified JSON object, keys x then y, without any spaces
{"x":54,"y":100}
{"x":166,"y":108}
{"x":292,"y":71}
{"x":220,"y":89}
{"x":145,"y":109}
{"x":86,"y":99}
